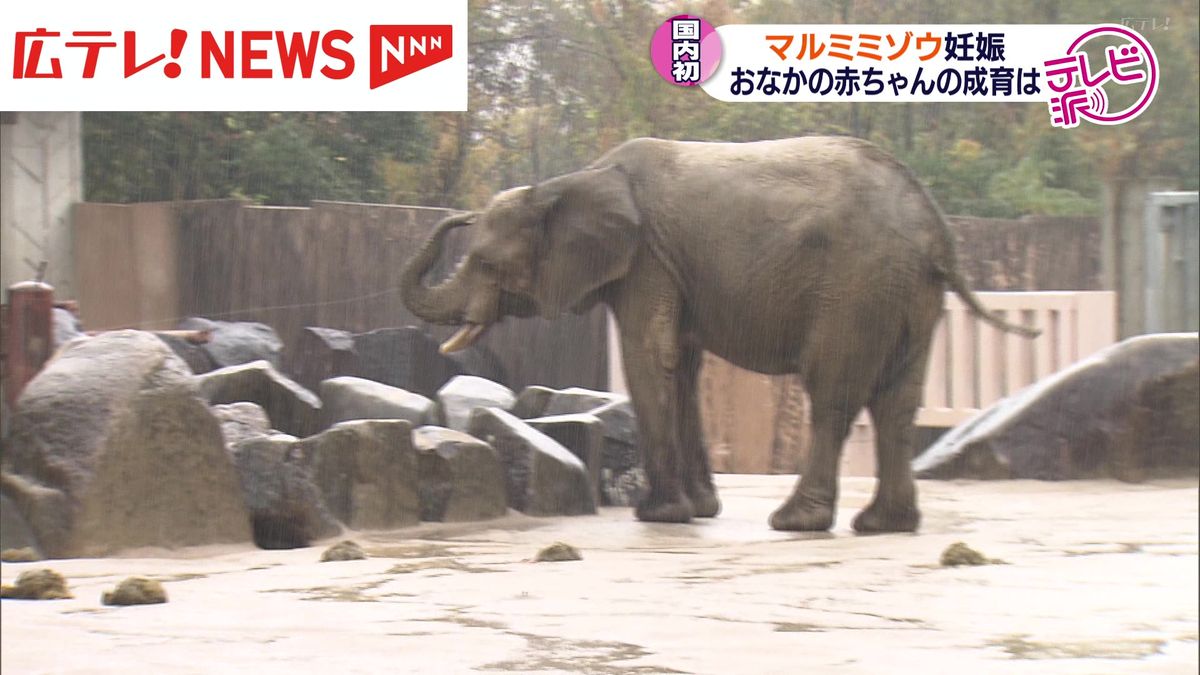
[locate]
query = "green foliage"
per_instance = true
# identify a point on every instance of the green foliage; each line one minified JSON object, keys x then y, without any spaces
{"x":272,"y":158}
{"x":1023,"y":189}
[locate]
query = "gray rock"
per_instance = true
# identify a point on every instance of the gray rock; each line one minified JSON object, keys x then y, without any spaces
{"x":583,"y":435}
{"x":235,"y":342}
{"x":465,"y":393}
{"x":319,"y":354}
{"x":241,"y":420}
{"x":194,"y":355}
{"x":47,"y":512}
{"x":111,"y":447}
{"x":622,"y":480}
{"x":1071,"y":424}
{"x":1162,"y":436}
{"x":620,"y":424}
{"x":531,"y":402}
{"x":579,"y":400}
{"x":66,"y":326}
{"x":542,"y":477}
{"x":15,"y":533}
{"x":461,"y":477}
{"x":286,"y":508}
{"x":353,"y":398}
{"x":479,"y":361}
{"x":403,"y":357}
{"x":366,"y":471}
{"x":406,"y":358}
{"x":622,"y":488}
{"x":292,"y":408}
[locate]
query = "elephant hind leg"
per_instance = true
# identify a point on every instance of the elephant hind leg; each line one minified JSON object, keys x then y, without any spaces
{"x":698,"y":482}
{"x":893,"y":407}
{"x":838,"y":390}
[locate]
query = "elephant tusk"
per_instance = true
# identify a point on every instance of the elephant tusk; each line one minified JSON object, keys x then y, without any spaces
{"x":465,"y":337}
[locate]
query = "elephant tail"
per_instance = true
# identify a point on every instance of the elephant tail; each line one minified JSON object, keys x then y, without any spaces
{"x":958,"y":284}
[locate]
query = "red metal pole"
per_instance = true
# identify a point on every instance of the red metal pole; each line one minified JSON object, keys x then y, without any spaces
{"x":29,"y":335}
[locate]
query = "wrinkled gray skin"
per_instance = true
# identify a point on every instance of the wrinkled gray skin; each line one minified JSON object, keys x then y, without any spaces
{"x":818,"y":256}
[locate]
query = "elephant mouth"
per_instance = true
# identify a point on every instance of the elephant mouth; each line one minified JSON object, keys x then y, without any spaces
{"x":466,"y":336}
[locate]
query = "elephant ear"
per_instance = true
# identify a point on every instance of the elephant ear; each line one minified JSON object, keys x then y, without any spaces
{"x":589,"y":236}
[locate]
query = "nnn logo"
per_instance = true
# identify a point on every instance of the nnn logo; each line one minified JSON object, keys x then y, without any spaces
{"x":397,"y":51}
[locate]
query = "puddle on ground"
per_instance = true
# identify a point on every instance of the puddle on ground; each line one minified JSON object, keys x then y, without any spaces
{"x":1018,"y":647}
{"x":439,"y":564}
{"x":553,"y":654}
{"x":411,"y":551}
{"x":355,"y":593}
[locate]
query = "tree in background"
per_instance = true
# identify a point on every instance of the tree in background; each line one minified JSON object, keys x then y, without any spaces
{"x":555,"y":83}
{"x":272,"y":158}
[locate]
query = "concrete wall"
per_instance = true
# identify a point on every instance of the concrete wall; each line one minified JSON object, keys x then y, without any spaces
{"x":1123,"y":247}
{"x":41,"y":177}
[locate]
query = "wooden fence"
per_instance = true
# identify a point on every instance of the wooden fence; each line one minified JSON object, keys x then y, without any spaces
{"x":333,"y":264}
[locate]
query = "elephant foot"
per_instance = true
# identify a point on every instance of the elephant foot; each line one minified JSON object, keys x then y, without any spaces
{"x":887,"y":518}
{"x":705,"y":503}
{"x":659,"y":510}
{"x":803,"y":515}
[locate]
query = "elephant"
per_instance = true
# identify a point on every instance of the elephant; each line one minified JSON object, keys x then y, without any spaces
{"x":820,"y":256}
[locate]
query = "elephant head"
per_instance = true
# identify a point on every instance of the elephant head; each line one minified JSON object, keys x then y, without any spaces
{"x":535,"y":250}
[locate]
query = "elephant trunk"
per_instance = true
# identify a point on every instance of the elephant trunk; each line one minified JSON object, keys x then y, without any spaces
{"x":446,"y":302}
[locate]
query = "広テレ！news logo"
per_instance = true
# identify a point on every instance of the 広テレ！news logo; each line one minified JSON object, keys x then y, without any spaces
{"x":364,"y":56}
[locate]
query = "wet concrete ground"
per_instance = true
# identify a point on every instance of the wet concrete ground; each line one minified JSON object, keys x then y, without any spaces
{"x":1097,"y":577}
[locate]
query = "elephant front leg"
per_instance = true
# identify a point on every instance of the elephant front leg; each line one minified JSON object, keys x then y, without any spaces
{"x":650,"y":348}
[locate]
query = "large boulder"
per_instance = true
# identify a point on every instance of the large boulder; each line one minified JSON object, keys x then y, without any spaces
{"x":14,"y":531}
{"x":366,"y":471}
{"x":579,"y":400}
{"x":353,"y":398}
{"x":231,"y":343}
{"x":622,"y":479}
{"x":479,"y":361}
{"x":463,"y":394}
{"x":583,"y":435}
{"x":406,"y":358}
{"x":403,"y":357}
{"x":66,"y":326}
{"x":193,"y":354}
{"x":286,"y":508}
{"x":241,"y":420}
{"x":461,"y":477}
{"x":1164,"y":427}
{"x":112,"y":447}
{"x":542,"y":477}
{"x":1081,"y":421}
{"x":319,"y":354}
{"x":292,"y":408}
{"x":532,"y":401}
